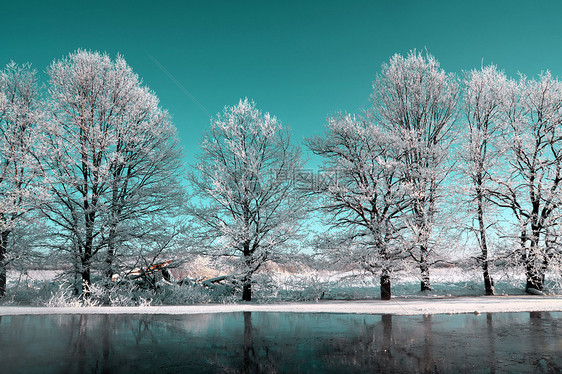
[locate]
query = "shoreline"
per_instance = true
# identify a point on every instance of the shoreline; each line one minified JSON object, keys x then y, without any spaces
{"x":396,"y":306}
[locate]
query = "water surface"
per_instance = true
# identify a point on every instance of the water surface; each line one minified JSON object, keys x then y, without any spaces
{"x":281,"y":342}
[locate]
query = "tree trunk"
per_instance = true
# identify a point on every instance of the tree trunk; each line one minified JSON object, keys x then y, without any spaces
{"x":534,"y":277}
{"x":110,"y":257}
{"x":425,"y":284}
{"x":423,"y":240}
{"x":2,"y":276}
{"x":533,"y":272}
{"x":88,"y":253}
{"x":247,"y":290}
{"x":385,"y":285}
{"x":488,"y":282}
{"x":3,"y":270}
{"x":3,"y":255}
{"x":109,"y":271}
{"x":77,"y":266}
{"x":424,"y":269}
{"x":534,"y":281}
{"x":116,"y":208}
{"x":86,"y":273}
{"x":86,"y":282}
{"x":247,"y":281}
{"x":77,"y":281}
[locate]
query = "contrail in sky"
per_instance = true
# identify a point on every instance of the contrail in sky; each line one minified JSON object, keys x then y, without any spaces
{"x":178,"y":84}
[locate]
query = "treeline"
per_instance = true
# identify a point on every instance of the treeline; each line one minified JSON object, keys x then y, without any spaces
{"x":96,"y":163}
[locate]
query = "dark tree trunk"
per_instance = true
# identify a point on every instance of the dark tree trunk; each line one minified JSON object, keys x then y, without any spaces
{"x":109,"y":262}
{"x":533,"y":283}
{"x":385,"y":286}
{"x":533,"y":272}
{"x":424,"y":269}
{"x":77,"y":281}
{"x":488,"y":282}
{"x":109,"y":271}
{"x":89,"y":217}
{"x":3,"y":255}
{"x":535,"y":280}
{"x":425,"y":284}
{"x":247,"y":281}
{"x":86,"y":273}
{"x":110,"y":258}
{"x":86,"y":282}
{"x":247,"y":291}
{"x":88,"y":253}
{"x":2,"y":278}
{"x":116,"y":209}
{"x":423,"y":214}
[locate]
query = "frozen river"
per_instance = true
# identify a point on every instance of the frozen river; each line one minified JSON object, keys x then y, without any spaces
{"x":281,"y":342}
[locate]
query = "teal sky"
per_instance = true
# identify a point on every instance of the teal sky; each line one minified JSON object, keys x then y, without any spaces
{"x":299,"y":60}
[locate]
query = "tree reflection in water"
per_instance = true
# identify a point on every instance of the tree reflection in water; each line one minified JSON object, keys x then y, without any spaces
{"x":281,"y":342}
{"x":248,"y":344}
{"x":491,"y":342}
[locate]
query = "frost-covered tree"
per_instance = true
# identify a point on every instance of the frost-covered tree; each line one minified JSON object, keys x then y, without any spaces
{"x":20,"y":112}
{"x":248,"y":207}
{"x":111,"y":158}
{"x":415,"y":99}
{"x":363,"y":195}
{"x":531,"y":184}
{"x":484,"y":96}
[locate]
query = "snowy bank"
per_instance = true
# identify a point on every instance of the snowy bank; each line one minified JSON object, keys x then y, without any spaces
{"x":396,"y":306}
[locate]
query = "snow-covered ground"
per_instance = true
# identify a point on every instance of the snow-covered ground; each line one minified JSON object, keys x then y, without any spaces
{"x":455,"y":290}
{"x":304,"y":283}
{"x":451,"y":281}
{"x":396,"y":306}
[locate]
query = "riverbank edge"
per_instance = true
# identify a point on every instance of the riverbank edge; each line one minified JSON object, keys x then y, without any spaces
{"x":396,"y":306}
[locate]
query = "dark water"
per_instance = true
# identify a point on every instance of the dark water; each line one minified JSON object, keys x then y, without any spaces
{"x":281,"y":342}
